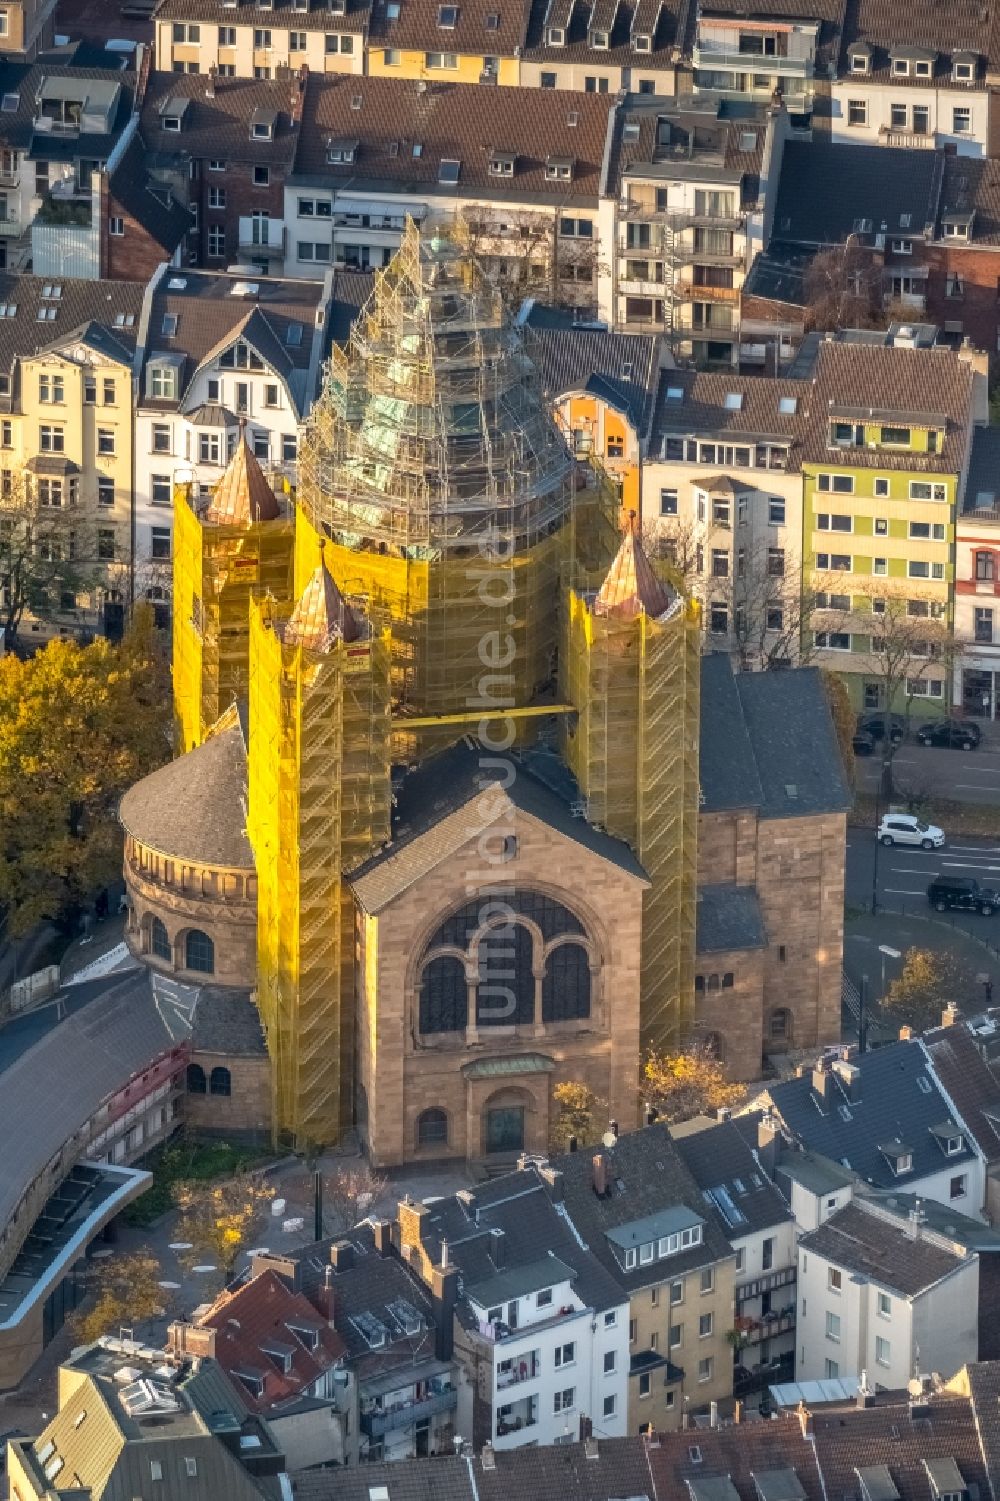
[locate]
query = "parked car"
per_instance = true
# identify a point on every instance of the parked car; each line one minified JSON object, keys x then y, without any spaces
{"x":905,"y":828}
{"x":957,"y":734}
{"x":863,"y":743}
{"x":964,"y":893}
{"x":874,"y":725}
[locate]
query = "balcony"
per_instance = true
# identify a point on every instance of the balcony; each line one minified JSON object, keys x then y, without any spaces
{"x":10,"y":177}
{"x":694,"y":291}
{"x":721,"y":324}
{"x":377,"y":1422}
{"x":520,"y":1368}
{"x":705,"y":55}
{"x":891,"y":135}
{"x":514,"y":1417}
{"x":756,"y":1331}
{"x":262,"y":237}
{"x":765,"y":1284}
{"x":9,"y":228}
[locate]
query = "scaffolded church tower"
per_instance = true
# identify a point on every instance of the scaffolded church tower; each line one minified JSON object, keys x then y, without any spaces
{"x":629,"y":663}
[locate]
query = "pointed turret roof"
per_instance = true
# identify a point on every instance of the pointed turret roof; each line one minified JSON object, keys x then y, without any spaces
{"x":322,"y":614}
{"x":630,"y":585}
{"x":243,"y":496}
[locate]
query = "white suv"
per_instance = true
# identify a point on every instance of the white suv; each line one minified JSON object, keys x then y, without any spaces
{"x":904,"y":828}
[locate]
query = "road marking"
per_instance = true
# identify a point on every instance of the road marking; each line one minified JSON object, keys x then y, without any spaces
{"x":901,"y":891}
{"x":977,"y":849}
{"x":908,"y":870}
{"x":968,"y":865}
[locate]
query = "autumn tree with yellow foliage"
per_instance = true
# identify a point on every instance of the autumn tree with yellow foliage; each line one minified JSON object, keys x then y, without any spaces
{"x":128,"y":1293}
{"x":78,"y":725}
{"x":221,"y":1219}
{"x":577,"y":1118}
{"x":691,"y":1082}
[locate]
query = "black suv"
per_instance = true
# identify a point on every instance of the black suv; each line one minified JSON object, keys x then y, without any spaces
{"x":964,"y":893}
{"x":874,"y":725}
{"x":959,"y":734}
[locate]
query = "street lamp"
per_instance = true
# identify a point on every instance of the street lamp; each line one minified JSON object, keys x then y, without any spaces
{"x":887,"y":952}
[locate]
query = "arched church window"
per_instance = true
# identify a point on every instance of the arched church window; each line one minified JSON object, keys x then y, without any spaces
{"x":432,"y":1129}
{"x":566,"y":984}
{"x":159,"y":941}
{"x":199,"y":952}
{"x":444,"y":996}
{"x":506,"y":992}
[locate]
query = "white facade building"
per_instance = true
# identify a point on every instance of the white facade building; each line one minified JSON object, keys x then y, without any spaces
{"x":874,"y":112}
{"x":885,"y":1295}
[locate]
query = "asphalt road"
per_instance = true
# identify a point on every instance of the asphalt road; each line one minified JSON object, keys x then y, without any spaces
{"x":904,"y":874}
{"x":964,"y":776}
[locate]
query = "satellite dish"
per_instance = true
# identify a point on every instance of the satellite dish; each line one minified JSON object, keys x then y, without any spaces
{"x":608,"y":1139}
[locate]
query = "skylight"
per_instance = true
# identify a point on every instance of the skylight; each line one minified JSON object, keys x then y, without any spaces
{"x":788,"y":404}
{"x":675,"y":393}
{"x":733,"y":401}
{"x":447,"y":17}
{"x":449,"y":170}
{"x":10,"y":103}
{"x":170,"y":324}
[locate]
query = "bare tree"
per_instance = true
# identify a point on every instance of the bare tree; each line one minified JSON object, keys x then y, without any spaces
{"x":48,"y":551}
{"x":523,"y":253}
{"x":843,"y":288}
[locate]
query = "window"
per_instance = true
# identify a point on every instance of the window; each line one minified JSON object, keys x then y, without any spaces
{"x":884,"y":1306}
{"x":441,"y":60}
{"x":159,"y":547}
{"x":220,"y":1082}
{"x":839,"y":484}
{"x":432,"y":1128}
{"x":159,"y":489}
{"x":924,"y":490}
{"x":183,"y":33}
{"x":51,"y":439}
{"x":677,"y":1292}
{"x":718,"y":618}
{"x":565,"y":1354}
{"x":833,"y":640}
{"x":261,"y":38}
{"x":199,"y":952}
{"x":957,"y":1187}
{"x":216,"y":242}
{"x":163,"y":382}
{"x":109,"y":396}
{"x":857,"y":111}
{"x":705,"y":1368}
{"x":880,"y":567}
{"x":917,"y":569}
{"x":610,"y":1362}
{"x":776,"y":511}
{"x":611,"y":1319}
{"x":900,"y":247}
{"x":882,"y":1350}
{"x":261,"y":177}
{"x":834,"y":562}
{"x":831,"y":1370}
{"x":227,"y":36}
{"x":961,"y":120}
{"x":449,"y":171}
{"x":833,"y":1327}
{"x":105,"y":440}
{"x":984,"y":625}
{"x":563,"y":1401}
{"x":544,"y":1298}
{"x":834,"y":1279}
{"x":707,"y":1280}
{"x":720,"y":563}
{"x":895,"y":437}
{"x":196,"y":1081}
{"x":547,"y":80}
{"x":675,"y":1337}
{"x":610,"y":1406}
{"x":668,"y":502}
{"x":216,"y":197}
{"x":105,"y":544}
{"x":927,"y":531}
{"x":105,"y":490}
{"x":705,"y":1326}
{"x":644,"y":1381}
{"x":51,"y":388}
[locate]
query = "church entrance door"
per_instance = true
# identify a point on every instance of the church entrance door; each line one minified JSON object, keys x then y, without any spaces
{"x":505,"y":1129}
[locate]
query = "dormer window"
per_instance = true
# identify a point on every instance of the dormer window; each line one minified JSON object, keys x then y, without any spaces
{"x":953,"y":1145}
{"x":559,"y":169}
{"x":963,"y":72}
{"x":642,"y":41}
{"x":901,"y":67}
{"x":556,"y":36}
{"x":170,"y":122}
{"x":898,"y":1156}
{"x":922,"y":69}
{"x":161,"y":381}
{"x":957,"y":229}
{"x":599,"y":40}
{"x":447,"y":17}
{"x":860,"y":62}
{"x":341,"y":153}
{"x":502,"y":164}
{"x":449,"y":171}
{"x":262,"y":124}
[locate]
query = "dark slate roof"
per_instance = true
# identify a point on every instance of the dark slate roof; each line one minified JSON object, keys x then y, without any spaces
{"x":439,"y":808}
{"x":445,"y":1478}
{"x":848,"y":1438}
{"x":351,"y":290}
{"x":729,"y":917}
{"x":778,"y":274}
{"x":17,"y":126}
{"x":825,"y":190}
{"x":194,"y":808}
{"x":227,"y":1021}
{"x":983,"y":478}
{"x":969,"y":1081}
{"x":737,"y":1452}
{"x":725,"y":1167}
{"x":694,"y":402}
{"x":726,"y":767}
{"x":150,"y":203}
{"x":622,"y":369}
{"x":984,"y":1394}
{"x":219,"y":129}
{"x":316,"y":18}
{"x":80,"y":303}
{"x":631,"y":16}
{"x":768,"y":742}
{"x":646,"y":1175}
{"x":892,"y":1106}
{"x":794,"y":742}
{"x":607,"y":1467}
{"x":877,"y":1246}
{"x":517,"y":1203}
{"x":972,"y":185}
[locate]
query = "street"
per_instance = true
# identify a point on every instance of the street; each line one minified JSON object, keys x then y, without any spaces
{"x":918,"y":770}
{"x":904,"y":874}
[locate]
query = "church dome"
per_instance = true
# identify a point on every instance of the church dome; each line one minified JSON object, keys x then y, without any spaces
{"x":194,"y":809}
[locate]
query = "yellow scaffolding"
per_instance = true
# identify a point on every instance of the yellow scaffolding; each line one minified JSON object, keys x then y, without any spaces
{"x":634,"y":751}
{"x":217,"y":570}
{"x":319,"y":804}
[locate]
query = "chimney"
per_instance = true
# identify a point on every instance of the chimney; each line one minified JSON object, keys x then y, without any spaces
{"x":906,"y":1034}
{"x":383,"y":1237}
{"x":326,"y":1298}
{"x":613,"y":1128}
{"x":591,"y":1448}
{"x":950,"y":1015}
{"x":769,"y":1142}
{"x":299,"y":95}
{"x":553,"y":1180}
{"x":649,"y":1115}
{"x":723,"y":1114}
{"x":821,"y":1081}
{"x":190,"y":1339}
{"x":412,"y":1223}
{"x":737,"y":1412}
{"x":805,"y":1420}
{"x":573,"y":1143}
{"x":489,"y":1458}
{"x":498,"y":1249}
{"x":600,"y":1175}
{"x":342,"y":1255}
{"x":864,"y":1395}
{"x":210,"y":85}
{"x":914,"y":1220}
{"x":444,"y":1296}
{"x":713,"y":1414}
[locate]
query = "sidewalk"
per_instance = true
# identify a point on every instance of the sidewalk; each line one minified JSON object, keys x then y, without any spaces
{"x":863,"y":934}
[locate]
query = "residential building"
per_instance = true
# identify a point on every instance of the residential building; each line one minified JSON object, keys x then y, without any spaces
{"x":686,"y":186}
{"x":66,"y":353}
{"x":476,"y":43}
{"x":28,"y":27}
{"x":722,"y":496}
{"x":885,"y":1118}
{"x":883,"y":457}
{"x":964,"y":1057}
{"x":128,"y":1420}
{"x":755,"y":57}
{"x":284,"y":1360}
{"x":882,"y":1294}
{"x":242,"y":41}
{"x":909,"y":81}
{"x":644,"y":1217}
{"x":771,"y":831}
{"x":220,"y":355}
{"x":976,"y":689}
{"x":395,"y":1394}
{"x":540,"y":1324}
{"x":604,"y":50}
{"x":226,"y":145}
{"x":757,"y":1222}
{"x":737,"y":1459}
{"x":373,"y":153}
